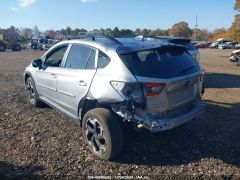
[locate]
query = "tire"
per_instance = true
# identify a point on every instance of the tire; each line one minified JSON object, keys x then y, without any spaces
{"x":32,"y":93}
{"x":16,"y":47}
{"x":34,"y":47}
{"x":238,"y":63}
{"x":102,"y":133}
{"x":2,"y":47}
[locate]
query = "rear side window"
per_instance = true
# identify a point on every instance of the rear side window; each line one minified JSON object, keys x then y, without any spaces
{"x":164,"y":62}
{"x":78,"y":57}
{"x":91,"y":60}
{"x":103,"y":60}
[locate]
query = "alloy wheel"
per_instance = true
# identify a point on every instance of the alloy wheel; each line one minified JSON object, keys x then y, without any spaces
{"x":95,"y":136}
{"x":30,"y":91}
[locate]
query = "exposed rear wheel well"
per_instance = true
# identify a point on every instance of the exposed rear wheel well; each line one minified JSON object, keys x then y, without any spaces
{"x":87,"y":105}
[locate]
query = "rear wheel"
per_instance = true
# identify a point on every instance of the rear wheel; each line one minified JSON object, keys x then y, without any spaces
{"x":2,"y":47}
{"x":103,"y":134}
{"x":32,"y":93}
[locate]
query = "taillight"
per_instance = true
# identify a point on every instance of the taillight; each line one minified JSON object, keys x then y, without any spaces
{"x":153,"y":89}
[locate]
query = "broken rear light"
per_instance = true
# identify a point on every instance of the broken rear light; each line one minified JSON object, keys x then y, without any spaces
{"x":128,"y":90}
{"x":153,"y":89}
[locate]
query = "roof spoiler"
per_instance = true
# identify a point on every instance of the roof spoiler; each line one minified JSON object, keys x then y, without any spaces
{"x":171,"y":38}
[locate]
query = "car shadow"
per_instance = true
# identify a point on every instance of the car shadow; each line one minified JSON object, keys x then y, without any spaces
{"x":10,"y":171}
{"x":215,"y":135}
{"x":221,"y":80}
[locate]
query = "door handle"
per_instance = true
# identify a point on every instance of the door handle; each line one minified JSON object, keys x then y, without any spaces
{"x":82,"y":83}
{"x":54,"y":76}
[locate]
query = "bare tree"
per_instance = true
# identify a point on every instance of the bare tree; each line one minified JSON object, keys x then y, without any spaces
{"x":26,"y":33}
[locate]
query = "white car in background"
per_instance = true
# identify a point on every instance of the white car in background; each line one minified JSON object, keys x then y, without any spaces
{"x":235,"y":57}
{"x":219,"y":42}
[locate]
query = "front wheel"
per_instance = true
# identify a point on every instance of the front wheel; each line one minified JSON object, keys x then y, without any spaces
{"x":103,"y":134}
{"x":32,"y":93}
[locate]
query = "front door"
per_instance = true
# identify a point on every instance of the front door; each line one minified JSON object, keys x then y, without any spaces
{"x":46,"y":78}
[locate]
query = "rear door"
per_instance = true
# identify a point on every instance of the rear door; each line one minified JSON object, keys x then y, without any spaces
{"x":75,"y":77}
{"x":46,"y":78}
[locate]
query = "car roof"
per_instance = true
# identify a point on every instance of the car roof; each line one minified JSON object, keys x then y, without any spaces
{"x":118,"y":44}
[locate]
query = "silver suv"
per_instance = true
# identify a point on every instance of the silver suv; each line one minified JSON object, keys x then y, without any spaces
{"x":101,"y":81}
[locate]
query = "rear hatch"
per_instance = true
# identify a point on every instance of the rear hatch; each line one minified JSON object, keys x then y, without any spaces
{"x":168,"y":74}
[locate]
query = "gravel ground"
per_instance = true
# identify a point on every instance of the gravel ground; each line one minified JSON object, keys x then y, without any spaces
{"x":43,"y":143}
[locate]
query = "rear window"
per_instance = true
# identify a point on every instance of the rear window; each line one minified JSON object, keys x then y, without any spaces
{"x":184,"y":42}
{"x":163,"y":62}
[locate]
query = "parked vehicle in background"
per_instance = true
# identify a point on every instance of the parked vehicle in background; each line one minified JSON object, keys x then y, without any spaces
{"x":228,"y":45}
{"x":235,"y":57}
{"x":48,"y":45}
{"x":42,"y":43}
{"x":237,"y":46}
{"x":219,"y":42}
{"x":101,"y":82}
{"x":200,"y":45}
{"x":12,"y":43}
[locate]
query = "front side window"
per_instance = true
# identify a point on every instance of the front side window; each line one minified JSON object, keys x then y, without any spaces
{"x":78,"y":57}
{"x":55,"y":57}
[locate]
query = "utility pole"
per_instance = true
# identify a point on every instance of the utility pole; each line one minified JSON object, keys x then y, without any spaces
{"x":195,"y":32}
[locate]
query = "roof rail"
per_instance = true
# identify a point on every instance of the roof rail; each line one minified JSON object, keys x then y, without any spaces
{"x":143,"y":37}
{"x":95,"y":34}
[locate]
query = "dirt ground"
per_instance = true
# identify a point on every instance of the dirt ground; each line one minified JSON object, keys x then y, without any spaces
{"x":43,"y":143}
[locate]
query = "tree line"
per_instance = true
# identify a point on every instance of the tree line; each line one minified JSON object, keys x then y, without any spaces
{"x":180,"y":29}
{"x":234,"y":31}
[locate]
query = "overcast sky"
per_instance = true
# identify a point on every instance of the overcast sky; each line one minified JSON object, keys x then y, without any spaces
{"x":132,"y":14}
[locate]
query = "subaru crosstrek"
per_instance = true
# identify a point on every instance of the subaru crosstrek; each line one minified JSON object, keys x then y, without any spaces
{"x":101,"y":81}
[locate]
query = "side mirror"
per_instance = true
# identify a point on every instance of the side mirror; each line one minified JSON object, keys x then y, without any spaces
{"x":37,"y":63}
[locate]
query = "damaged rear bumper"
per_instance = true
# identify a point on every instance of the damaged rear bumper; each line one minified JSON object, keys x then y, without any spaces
{"x":158,"y":124}
{"x":162,"y":122}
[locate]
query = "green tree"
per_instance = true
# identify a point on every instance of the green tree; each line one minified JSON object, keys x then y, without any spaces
{"x":237,"y":5}
{"x":202,"y":35}
{"x":235,"y":29}
{"x":181,"y":29}
{"x":159,"y":32}
{"x":11,"y":34}
{"x":116,"y":32}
